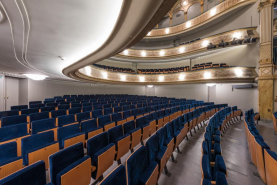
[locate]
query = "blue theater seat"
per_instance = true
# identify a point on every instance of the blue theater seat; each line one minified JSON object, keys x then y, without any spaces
{"x":108,"y":111}
{"x":84,"y":116}
{"x":97,"y":113}
{"x":135,"y":133}
{"x":19,"y":107}
{"x":106,"y":122}
{"x":70,"y":166}
{"x":70,"y":135}
{"x":66,"y":120}
{"x":51,"y":104}
{"x":13,"y":120}
{"x":34,"y":102}
{"x":64,"y":106}
{"x":140,"y":170}
{"x":74,"y":110}
{"x":136,"y":113}
{"x":38,"y":147}
{"x":28,"y":112}
{"x":209,"y":170}
{"x":9,"y":161}
{"x":117,"y":118}
{"x":33,"y":174}
{"x":9,"y":113}
{"x":152,"y":122}
{"x":101,"y":153}
{"x":145,"y":127}
{"x":47,"y":109}
{"x":44,"y":125}
{"x":87,"y":108}
{"x":117,"y":109}
{"x":156,"y":152}
{"x":128,"y":115}
{"x":220,"y":179}
{"x":39,"y":116}
{"x":90,"y":128}
{"x":121,"y":141}
{"x":116,"y":177}
{"x":39,"y":105}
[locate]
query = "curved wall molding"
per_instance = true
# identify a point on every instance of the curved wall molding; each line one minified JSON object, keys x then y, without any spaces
{"x":224,"y":75}
{"x":200,"y":20}
{"x":197,"y":46}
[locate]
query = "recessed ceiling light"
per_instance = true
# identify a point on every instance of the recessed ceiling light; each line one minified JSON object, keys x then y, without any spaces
{"x":213,"y":12}
{"x":185,"y":3}
{"x":105,"y":74}
{"x":162,"y":53}
{"x":161,"y":78}
{"x":188,"y":24}
{"x":149,"y":33}
{"x":143,"y":53}
{"x":88,"y":70}
{"x":126,"y":52}
{"x":238,"y":72}
{"x":123,"y":77}
{"x":167,"y":30}
{"x":207,"y":75}
{"x":36,"y":77}
{"x":181,"y":77}
{"x":150,"y":86}
{"x":181,"y":49}
{"x":141,"y":79}
{"x":205,"y":43}
{"x":210,"y":84}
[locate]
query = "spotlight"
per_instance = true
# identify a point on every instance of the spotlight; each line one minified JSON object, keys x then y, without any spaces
{"x":166,"y":30}
{"x":123,"y":77}
{"x":211,"y":46}
{"x":150,"y":86}
{"x":205,"y":43}
{"x":210,"y":84}
{"x":162,"y":53}
{"x":181,"y":77}
{"x":161,"y":78}
{"x":223,"y":44}
{"x":188,"y":24}
{"x":213,"y":12}
{"x":143,"y":53}
{"x":126,"y":52}
{"x":238,"y":72}
{"x":141,"y":79}
{"x":207,"y":75}
{"x":181,"y":49}
{"x":105,"y":74}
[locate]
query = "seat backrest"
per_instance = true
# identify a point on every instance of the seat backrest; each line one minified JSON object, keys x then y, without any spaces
{"x":83,"y":116}
{"x":162,"y":135}
{"x":75,"y":110}
{"x":206,"y":167}
{"x":13,"y":120}
{"x":108,"y":111}
{"x":136,"y":165}
{"x":65,"y":106}
{"x":33,"y":174}
{"x":34,"y":142}
{"x":57,"y":113}
{"x":175,"y":125}
{"x":97,"y":113}
{"x":129,"y":126}
{"x":34,"y":102}
{"x":9,"y":113}
{"x":103,"y":120}
{"x":127,"y":114}
{"x":96,"y":143}
{"x":39,"y":116}
{"x":39,"y":105}
{"x":152,"y":146}
{"x":148,"y":117}
{"x":118,"y":109}
{"x":116,"y":116}
{"x":116,"y":177}
{"x":19,"y":107}
{"x":67,"y":131}
{"x":87,"y":108}
{"x":75,"y":105}
{"x":65,"y":120}
{"x":13,"y":131}
{"x":62,"y":159}
{"x":29,"y":111}
{"x":51,"y":104}
{"x":169,"y":129}
{"x":8,"y":151}
{"x":87,"y":125}
{"x":140,"y":121}
{"x":42,"y":125}
{"x":114,"y":133}
{"x":47,"y":109}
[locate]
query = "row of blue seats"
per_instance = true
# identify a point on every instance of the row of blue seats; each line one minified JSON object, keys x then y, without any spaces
{"x":263,"y":158}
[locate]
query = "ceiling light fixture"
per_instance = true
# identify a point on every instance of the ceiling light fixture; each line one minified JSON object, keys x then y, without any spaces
{"x":188,"y":24}
{"x":88,"y":70}
{"x":167,"y":30}
{"x":36,"y":77}
{"x":123,"y":77}
{"x":162,"y":53}
{"x":238,"y":72}
{"x":143,"y":53}
{"x":181,"y":77}
{"x":126,"y":52}
{"x":149,"y":33}
{"x":161,"y":78}
{"x":150,"y":86}
{"x":207,"y":75}
{"x":237,"y":35}
{"x":141,"y":78}
{"x":213,"y":12}
{"x":185,"y":3}
{"x":210,"y":84}
{"x":181,"y":49}
{"x":205,"y":43}
{"x":105,"y":74}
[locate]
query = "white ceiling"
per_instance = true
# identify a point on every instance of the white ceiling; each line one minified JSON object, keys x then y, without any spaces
{"x":36,"y":32}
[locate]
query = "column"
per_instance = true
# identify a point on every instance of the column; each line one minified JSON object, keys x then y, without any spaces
{"x":202,"y":7}
{"x":170,"y":20}
{"x":186,"y":16}
{"x":266,"y":69}
{"x":2,"y":92}
{"x":135,"y":67}
{"x":157,"y":26}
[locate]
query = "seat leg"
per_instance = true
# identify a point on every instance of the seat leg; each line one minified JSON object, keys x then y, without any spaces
{"x":187,"y":137}
{"x":119,"y":162}
{"x":132,"y":150}
{"x":172,"y":158}
{"x":198,"y":126}
{"x":190,"y":132}
{"x":142,"y":143}
{"x":178,"y":150}
{"x":194,"y":130}
{"x":167,"y":173}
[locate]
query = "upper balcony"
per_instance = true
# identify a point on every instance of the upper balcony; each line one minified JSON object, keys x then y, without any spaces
{"x":192,"y":15}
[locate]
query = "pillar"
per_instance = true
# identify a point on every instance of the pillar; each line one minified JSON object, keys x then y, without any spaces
{"x":170,"y":21}
{"x":186,"y":16}
{"x":266,"y":69}
{"x":157,"y":26}
{"x":202,"y":7}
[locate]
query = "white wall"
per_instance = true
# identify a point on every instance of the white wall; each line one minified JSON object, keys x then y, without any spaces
{"x":2,"y":92}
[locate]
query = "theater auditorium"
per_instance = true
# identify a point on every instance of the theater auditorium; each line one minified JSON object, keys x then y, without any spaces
{"x":138,"y":92}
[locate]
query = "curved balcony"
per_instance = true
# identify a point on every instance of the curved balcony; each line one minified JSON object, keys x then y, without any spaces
{"x":192,"y":48}
{"x":204,"y":18}
{"x":228,"y":74}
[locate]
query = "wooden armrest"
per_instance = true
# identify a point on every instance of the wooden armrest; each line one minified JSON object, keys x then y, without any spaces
{"x":212,"y":164}
{"x":93,"y":168}
{"x":213,"y":182}
{"x":212,"y":151}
